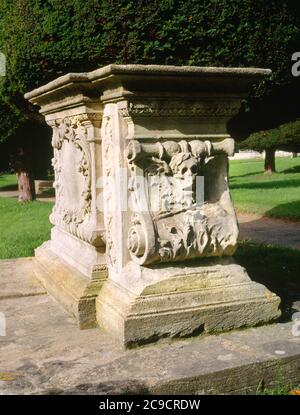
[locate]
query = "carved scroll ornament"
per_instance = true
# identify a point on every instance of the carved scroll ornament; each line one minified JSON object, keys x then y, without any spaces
{"x":182,"y":227}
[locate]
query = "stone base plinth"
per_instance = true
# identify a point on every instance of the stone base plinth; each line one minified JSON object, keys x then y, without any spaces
{"x":80,"y":255}
{"x":44,"y":353}
{"x":148,"y":303}
{"x":75,"y":291}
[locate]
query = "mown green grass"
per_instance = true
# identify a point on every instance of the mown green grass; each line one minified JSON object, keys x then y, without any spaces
{"x":274,"y":195}
{"x":23,"y":227}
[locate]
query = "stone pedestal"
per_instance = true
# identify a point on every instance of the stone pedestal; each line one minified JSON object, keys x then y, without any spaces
{"x":72,"y":264}
{"x":165,"y":212}
{"x":181,"y":300}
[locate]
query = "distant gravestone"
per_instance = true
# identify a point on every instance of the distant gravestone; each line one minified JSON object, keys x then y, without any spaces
{"x":42,"y":185}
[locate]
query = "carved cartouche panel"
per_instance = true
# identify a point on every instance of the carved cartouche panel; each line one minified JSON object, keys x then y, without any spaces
{"x":176,"y":223}
{"x":72,"y":167}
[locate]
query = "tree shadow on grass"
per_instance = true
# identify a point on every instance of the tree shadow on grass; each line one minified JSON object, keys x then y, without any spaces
{"x":289,"y":210}
{"x":235,"y":176}
{"x":275,"y":267}
{"x":8,"y":187}
{"x":272,"y":184}
{"x":291,"y":170}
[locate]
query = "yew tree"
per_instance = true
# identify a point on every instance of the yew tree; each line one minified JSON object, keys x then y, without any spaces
{"x":285,"y":137}
{"x":45,"y":39}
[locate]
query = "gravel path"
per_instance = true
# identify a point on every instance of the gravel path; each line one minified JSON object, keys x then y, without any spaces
{"x":269,"y":230}
{"x":14,"y":194}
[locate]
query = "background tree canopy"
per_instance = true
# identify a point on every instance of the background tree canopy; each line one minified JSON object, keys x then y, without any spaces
{"x":284,"y":136}
{"x":43,"y":39}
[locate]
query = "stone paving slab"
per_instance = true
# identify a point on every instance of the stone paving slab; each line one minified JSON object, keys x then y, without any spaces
{"x":44,"y":352}
{"x":17,"y":279}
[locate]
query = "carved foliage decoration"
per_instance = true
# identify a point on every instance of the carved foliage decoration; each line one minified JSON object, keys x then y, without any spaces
{"x":72,"y":167}
{"x":109,"y":196}
{"x":181,"y":226}
{"x":179,"y":109}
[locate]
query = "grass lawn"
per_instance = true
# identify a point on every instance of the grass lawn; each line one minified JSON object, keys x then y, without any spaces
{"x":276,"y":195}
{"x":23,"y":227}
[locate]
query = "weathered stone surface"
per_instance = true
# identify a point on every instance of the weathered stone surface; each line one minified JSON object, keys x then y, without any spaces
{"x":68,"y":285}
{"x":17,"y":279}
{"x":167,"y":131}
{"x":146,"y":133}
{"x":45,"y":353}
{"x":83,"y":80}
{"x":72,"y":264}
{"x":182,"y":300}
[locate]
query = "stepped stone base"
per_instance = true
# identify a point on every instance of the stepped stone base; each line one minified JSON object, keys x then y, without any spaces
{"x":70,"y":287}
{"x":44,"y":353}
{"x":148,"y":303}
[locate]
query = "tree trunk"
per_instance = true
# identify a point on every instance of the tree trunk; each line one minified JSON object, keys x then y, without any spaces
{"x":270,"y":161}
{"x":21,"y":164}
{"x":26,"y":187}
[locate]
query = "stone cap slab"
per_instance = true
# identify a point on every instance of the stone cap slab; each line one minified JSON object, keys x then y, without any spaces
{"x":160,"y":70}
{"x":90,"y":86}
